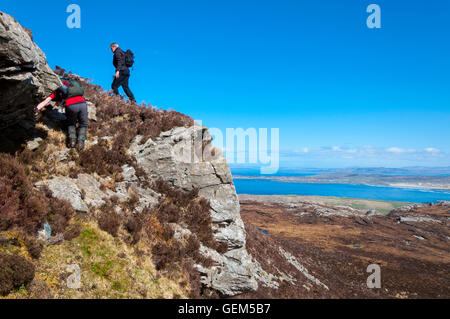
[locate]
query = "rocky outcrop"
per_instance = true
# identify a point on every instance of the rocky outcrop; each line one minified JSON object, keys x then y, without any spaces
{"x":25,"y":77}
{"x":303,"y":208}
{"x":421,"y":214}
{"x":185,"y":158}
{"x":85,"y":191}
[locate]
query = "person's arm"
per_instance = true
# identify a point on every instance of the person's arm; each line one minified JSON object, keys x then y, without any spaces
{"x":120,"y":63}
{"x":43,"y":103}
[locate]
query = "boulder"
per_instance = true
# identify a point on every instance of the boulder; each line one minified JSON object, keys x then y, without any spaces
{"x":232,"y":274}
{"x":25,"y":77}
{"x":90,"y":186}
{"x":92,"y":111}
{"x":66,"y":188}
{"x":85,"y":191}
{"x":34,"y":143}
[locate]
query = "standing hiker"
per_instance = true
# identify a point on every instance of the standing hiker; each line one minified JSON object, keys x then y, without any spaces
{"x":122,"y":61}
{"x":71,"y":94}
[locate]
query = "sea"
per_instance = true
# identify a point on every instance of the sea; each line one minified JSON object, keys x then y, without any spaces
{"x":271,"y":187}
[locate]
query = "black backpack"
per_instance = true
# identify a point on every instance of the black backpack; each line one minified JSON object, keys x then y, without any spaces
{"x":129,"y":58}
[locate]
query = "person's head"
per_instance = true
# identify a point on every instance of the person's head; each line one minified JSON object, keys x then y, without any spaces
{"x":114,"y":46}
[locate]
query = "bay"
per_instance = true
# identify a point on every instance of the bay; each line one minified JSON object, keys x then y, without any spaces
{"x":270,"y":187}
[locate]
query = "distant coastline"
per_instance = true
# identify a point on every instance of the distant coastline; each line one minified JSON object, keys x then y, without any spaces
{"x":399,"y":181}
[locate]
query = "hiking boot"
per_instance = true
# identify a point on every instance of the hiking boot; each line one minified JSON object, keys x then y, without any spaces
{"x":81,"y":138}
{"x":80,"y":146}
{"x":72,"y":132}
{"x":72,"y":143}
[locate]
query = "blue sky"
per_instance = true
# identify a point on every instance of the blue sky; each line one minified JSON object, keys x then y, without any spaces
{"x":340,"y":93}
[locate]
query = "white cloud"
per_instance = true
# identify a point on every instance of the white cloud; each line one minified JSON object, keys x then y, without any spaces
{"x":302,"y":151}
{"x":397,"y":150}
{"x":432,"y":150}
{"x":369,"y":155}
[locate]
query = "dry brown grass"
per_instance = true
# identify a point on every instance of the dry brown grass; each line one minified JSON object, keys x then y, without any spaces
{"x":338,"y":249}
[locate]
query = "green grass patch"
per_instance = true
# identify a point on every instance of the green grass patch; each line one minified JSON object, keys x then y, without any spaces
{"x":88,"y":239}
{"x":359,"y":206}
{"x":102,"y":269}
{"x":384,"y":211}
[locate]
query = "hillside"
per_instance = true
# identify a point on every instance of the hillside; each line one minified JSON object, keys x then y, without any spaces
{"x":149,"y":210}
{"x":335,"y":244}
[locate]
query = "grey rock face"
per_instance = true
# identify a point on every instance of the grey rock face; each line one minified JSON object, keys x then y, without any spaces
{"x":92,"y":111}
{"x":84,"y":192}
{"x":66,"y":188}
{"x":418,"y":219}
{"x":185,"y":158}
{"x":294,"y":262}
{"x":93,"y":196}
{"x":25,"y":77}
{"x":404,"y":209}
{"x":232,"y":274}
{"x":34,"y":143}
{"x":59,"y":156}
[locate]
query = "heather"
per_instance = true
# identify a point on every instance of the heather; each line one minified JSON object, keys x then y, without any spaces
{"x":148,"y":235}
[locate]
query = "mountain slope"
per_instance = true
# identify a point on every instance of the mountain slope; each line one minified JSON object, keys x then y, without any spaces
{"x":148,"y":201}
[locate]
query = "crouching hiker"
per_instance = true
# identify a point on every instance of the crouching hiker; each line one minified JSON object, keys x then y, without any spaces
{"x":71,"y":95}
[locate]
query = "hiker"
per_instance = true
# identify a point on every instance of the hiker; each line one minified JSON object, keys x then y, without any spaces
{"x":122,"y":71}
{"x":71,"y":94}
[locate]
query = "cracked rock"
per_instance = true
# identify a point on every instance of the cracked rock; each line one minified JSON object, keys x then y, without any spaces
{"x":184,"y":158}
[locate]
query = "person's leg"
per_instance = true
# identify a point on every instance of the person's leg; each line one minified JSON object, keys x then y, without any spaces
{"x":82,"y":124}
{"x":126,"y":88}
{"x":115,"y":86}
{"x":71,"y":116}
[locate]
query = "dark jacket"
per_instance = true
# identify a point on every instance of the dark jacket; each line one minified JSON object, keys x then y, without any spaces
{"x":119,"y":60}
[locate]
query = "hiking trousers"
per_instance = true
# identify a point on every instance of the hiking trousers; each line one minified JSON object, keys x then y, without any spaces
{"x":77,"y":113}
{"x":122,"y":80}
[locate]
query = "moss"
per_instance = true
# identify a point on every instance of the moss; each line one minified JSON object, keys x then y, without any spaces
{"x":103,"y":273}
{"x":103,"y":268}
{"x":87,"y":240}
